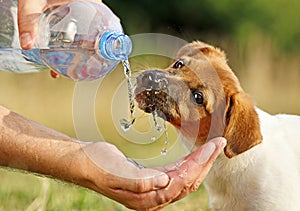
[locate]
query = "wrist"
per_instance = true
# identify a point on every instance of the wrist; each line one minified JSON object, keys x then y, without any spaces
{"x":88,"y":173}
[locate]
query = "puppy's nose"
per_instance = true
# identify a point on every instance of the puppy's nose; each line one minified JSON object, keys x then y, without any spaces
{"x":153,"y":80}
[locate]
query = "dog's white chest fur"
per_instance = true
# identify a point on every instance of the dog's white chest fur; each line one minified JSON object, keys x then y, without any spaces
{"x":266,"y":177}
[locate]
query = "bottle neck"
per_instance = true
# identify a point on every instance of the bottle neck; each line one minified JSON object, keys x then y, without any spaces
{"x":115,"y":46}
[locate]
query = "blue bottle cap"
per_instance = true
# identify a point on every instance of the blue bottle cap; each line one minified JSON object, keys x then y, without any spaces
{"x":115,"y":46}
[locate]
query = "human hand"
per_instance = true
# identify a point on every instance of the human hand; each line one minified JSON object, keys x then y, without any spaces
{"x":146,"y":188}
{"x":29,"y":12}
{"x":100,"y":166}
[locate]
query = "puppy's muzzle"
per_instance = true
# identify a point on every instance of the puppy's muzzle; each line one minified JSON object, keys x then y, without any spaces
{"x":157,"y":90}
{"x":151,"y":90}
{"x":152,"y":80}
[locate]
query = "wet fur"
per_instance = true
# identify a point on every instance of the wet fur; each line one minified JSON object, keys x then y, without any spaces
{"x":260,"y":167}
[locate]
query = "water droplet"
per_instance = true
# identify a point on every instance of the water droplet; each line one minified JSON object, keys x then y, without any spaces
{"x":164,"y":151}
{"x":162,"y":84}
{"x":153,"y":139}
{"x":125,"y":124}
{"x":184,"y":173}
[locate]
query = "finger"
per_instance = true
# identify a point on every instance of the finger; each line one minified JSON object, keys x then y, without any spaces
{"x":200,"y":163}
{"x":188,"y":173}
{"x":139,"y":201}
{"x":28,"y":15}
{"x":192,"y":169}
{"x":140,"y":180}
{"x":220,"y":144}
{"x":203,"y":153}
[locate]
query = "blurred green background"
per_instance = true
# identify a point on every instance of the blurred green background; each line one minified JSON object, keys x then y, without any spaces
{"x":262,"y":42}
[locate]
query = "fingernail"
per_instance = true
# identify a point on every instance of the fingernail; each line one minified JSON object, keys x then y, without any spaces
{"x":222,"y":143}
{"x":26,"y":40}
{"x":161,"y":181}
{"x":207,"y":152}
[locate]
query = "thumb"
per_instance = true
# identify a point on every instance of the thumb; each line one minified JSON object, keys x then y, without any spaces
{"x":29,"y":12}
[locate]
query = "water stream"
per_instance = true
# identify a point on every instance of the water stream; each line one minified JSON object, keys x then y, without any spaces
{"x":160,"y":129}
{"x":126,"y":123}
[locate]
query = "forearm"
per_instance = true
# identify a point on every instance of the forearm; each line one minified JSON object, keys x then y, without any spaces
{"x":29,"y":146}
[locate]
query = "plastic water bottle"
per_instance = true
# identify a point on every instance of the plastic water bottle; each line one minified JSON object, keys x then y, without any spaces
{"x":80,"y":40}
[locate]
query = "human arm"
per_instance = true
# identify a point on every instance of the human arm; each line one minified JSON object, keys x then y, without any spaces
{"x":29,"y":146}
{"x":29,"y":12}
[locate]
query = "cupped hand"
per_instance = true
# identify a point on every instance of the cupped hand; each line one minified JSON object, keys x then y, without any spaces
{"x":110,"y":173}
{"x":29,"y":12}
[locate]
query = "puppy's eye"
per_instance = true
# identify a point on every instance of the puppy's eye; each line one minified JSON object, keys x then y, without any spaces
{"x":178,"y":64}
{"x":197,"y":97}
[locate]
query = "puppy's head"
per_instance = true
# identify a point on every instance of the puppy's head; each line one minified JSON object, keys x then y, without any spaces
{"x":199,"y":93}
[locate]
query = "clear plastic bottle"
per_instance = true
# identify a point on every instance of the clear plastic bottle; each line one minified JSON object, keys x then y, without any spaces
{"x":80,"y":40}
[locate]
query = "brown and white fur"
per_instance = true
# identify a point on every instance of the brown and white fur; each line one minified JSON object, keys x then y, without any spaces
{"x":199,"y":94}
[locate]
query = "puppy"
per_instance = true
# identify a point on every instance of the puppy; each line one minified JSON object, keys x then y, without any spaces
{"x":200,"y":95}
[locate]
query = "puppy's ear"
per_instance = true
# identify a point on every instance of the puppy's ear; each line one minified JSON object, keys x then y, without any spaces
{"x":210,"y":50}
{"x":242,"y":125}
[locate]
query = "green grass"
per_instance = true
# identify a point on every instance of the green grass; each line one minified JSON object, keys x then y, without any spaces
{"x":271,"y":78}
